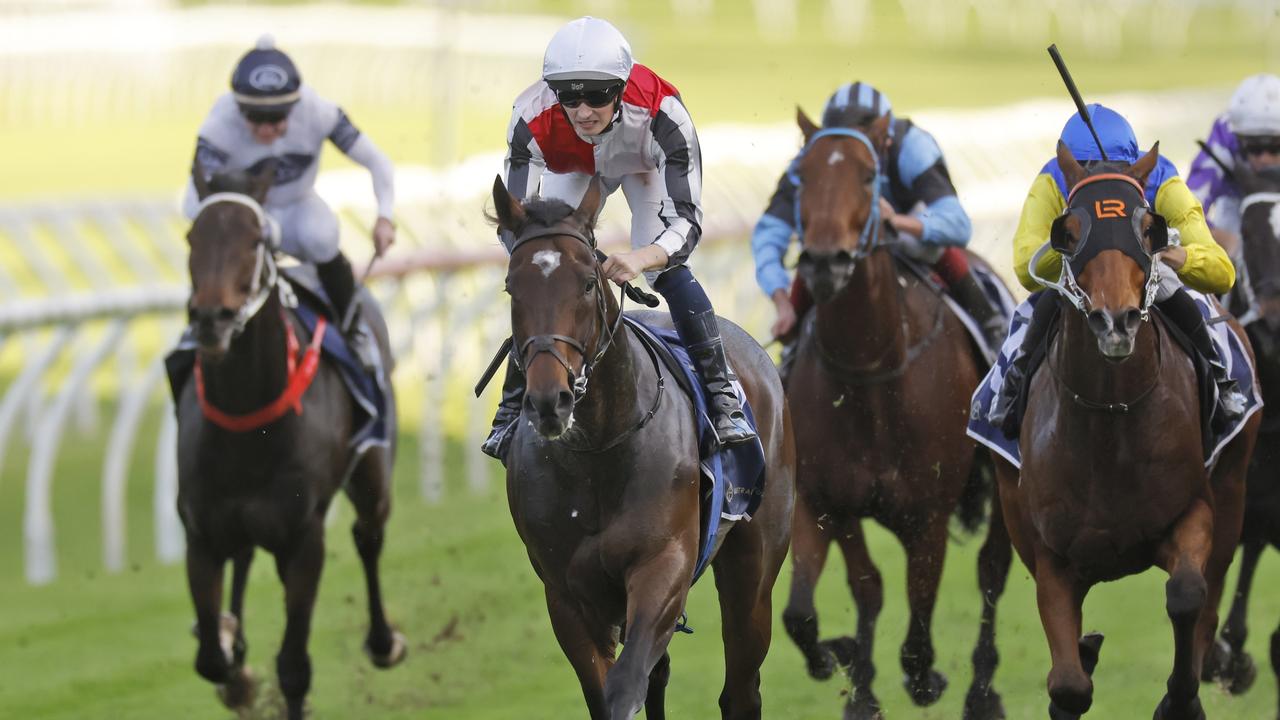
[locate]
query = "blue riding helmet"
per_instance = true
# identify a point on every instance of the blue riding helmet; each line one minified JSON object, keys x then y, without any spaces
{"x":852,"y":103}
{"x":1114,"y":131}
{"x":266,"y":80}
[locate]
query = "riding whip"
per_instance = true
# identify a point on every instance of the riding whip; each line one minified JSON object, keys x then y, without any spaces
{"x":1075,"y":96}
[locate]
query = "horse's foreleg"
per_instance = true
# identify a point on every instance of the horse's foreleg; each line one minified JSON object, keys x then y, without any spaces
{"x":299,"y":569}
{"x":1059,"y":597}
{"x":1184,"y":556}
{"x":1227,"y":660}
{"x":370,"y":493}
{"x":867,"y":588}
{"x":656,"y":592}
{"x":590,"y":654}
{"x":239,"y":581}
{"x":204,"y":580}
{"x":925,"y":557}
{"x":810,"y":540}
{"x":982,"y":701}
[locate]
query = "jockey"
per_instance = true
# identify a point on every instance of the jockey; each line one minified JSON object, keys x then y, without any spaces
{"x":1249,"y":131}
{"x":916,"y":198}
{"x":270,"y":115}
{"x":1198,"y":260}
{"x":593,"y":112}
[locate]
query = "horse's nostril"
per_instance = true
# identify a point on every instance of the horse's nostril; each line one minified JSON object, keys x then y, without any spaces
{"x":1100,"y":321}
{"x":1132,"y":319}
{"x":564,"y":403}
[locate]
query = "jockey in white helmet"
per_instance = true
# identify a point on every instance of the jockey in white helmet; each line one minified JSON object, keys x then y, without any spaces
{"x":270,"y":115}
{"x":1248,"y":132}
{"x":596,"y":111}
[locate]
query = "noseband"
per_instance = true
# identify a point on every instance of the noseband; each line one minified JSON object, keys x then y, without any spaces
{"x":538,"y":344}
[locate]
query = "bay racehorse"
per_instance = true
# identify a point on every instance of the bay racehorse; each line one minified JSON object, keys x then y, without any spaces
{"x":880,"y":390}
{"x":1113,"y":477}
{"x":1259,"y":309}
{"x":603,"y":480}
{"x":269,"y":486}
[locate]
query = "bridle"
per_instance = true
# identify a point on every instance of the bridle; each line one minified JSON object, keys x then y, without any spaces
{"x":266,"y":274}
{"x":546,"y":343}
{"x":869,"y":237}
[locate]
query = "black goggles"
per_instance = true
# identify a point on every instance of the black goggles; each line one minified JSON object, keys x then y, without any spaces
{"x":1259,"y":145}
{"x":593,"y":98}
{"x":265,"y":116}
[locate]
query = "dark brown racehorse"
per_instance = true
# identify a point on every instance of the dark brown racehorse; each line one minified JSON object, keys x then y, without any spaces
{"x":1260,"y":236}
{"x":603,"y":480}
{"x":880,"y":388}
{"x":1113,"y":478}
{"x":269,"y":487}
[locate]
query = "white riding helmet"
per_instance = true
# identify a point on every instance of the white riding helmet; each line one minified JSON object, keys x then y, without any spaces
{"x":1255,"y":106}
{"x":587,"y":49}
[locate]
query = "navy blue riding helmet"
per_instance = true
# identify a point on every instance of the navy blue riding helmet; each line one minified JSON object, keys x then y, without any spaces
{"x":266,"y":83}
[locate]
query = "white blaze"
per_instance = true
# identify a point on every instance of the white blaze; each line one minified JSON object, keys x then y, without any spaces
{"x":547,"y":260}
{"x":836,"y":156}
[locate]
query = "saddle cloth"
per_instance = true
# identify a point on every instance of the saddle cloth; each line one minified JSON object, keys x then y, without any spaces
{"x":1230,"y":349}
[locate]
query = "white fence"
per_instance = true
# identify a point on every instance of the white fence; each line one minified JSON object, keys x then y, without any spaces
{"x":91,"y":294}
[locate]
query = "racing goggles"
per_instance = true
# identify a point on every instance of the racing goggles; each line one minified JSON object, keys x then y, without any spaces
{"x":596,"y":98}
{"x":1259,"y":144}
{"x":265,"y":115}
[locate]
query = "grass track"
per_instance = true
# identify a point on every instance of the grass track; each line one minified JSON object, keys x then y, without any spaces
{"x":458,"y":582}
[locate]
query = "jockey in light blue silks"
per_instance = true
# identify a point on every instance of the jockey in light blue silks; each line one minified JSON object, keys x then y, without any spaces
{"x":917,"y":199}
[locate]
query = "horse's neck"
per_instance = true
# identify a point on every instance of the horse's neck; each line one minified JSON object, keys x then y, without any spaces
{"x":610,"y":405}
{"x":863,"y":324}
{"x":253,"y":373}
{"x":1084,"y":369}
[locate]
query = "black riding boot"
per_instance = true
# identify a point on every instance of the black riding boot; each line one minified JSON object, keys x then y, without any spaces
{"x":504,"y":421}
{"x":1004,"y":414}
{"x":1182,"y":310}
{"x":339,"y":282}
{"x":971,"y":297}
{"x":701,"y":334}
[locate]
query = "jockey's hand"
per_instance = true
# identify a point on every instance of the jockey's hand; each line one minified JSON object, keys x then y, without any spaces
{"x":625,"y":267}
{"x":785,"y":319}
{"x":384,"y":235}
{"x":887,"y":213}
{"x":1174,"y":257}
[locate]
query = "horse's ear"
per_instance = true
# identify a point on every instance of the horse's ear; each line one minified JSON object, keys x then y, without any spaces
{"x":806,"y":125}
{"x":1142,"y":169}
{"x":591,"y":201}
{"x":199,"y":180}
{"x":511,"y":216}
{"x":879,"y":131}
{"x":1072,"y":170}
{"x":263,"y":180}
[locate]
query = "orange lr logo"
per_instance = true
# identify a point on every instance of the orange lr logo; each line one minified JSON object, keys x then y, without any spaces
{"x":1109,"y":208}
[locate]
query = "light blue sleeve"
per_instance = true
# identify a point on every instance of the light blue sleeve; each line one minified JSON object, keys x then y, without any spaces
{"x":946,"y":223}
{"x":769,"y":243}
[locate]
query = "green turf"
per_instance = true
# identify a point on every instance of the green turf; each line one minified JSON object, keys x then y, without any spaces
{"x":457,"y":581}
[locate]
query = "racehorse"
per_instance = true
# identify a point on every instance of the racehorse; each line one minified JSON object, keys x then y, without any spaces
{"x":880,"y":389}
{"x":1260,"y":312}
{"x":603,"y":480}
{"x":1113,"y":477}
{"x":268,"y":487}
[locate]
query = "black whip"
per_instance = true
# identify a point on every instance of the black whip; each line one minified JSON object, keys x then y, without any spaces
{"x":1075,"y":96}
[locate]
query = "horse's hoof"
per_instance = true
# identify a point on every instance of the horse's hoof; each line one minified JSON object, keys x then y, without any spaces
{"x":238,"y":692}
{"x":1239,"y":674}
{"x":1216,"y":659}
{"x":862,"y":705}
{"x":983,"y":705}
{"x":399,"y":648}
{"x":1193,"y":710}
{"x":1090,"y":648}
{"x":1057,"y":713}
{"x":926,"y":690}
{"x":844,"y":648}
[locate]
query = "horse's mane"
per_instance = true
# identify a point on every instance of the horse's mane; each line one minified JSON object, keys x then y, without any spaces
{"x":545,"y":212}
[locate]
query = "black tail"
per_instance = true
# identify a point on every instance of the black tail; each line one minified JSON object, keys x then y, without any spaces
{"x":971,"y":511}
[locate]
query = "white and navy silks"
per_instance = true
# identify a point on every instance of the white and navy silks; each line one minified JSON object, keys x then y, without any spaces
{"x":651,"y":151}
{"x":309,"y":229}
{"x":915,"y":180}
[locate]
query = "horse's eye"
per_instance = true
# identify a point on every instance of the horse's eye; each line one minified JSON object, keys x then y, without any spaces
{"x":871,"y":178}
{"x":590,"y":287}
{"x":246,"y":288}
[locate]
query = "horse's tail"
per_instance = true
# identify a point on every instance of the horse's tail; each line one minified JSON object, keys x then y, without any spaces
{"x":978,"y":489}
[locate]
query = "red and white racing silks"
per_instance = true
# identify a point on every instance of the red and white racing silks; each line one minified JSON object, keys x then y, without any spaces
{"x":651,"y":134}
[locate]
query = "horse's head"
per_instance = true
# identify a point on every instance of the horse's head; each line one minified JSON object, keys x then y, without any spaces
{"x":837,"y":176}
{"x":1260,"y":238}
{"x":561,"y":311}
{"x":1109,"y":238}
{"x":231,"y":264}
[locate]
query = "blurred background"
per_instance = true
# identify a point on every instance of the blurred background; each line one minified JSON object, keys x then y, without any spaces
{"x":99,"y":104}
